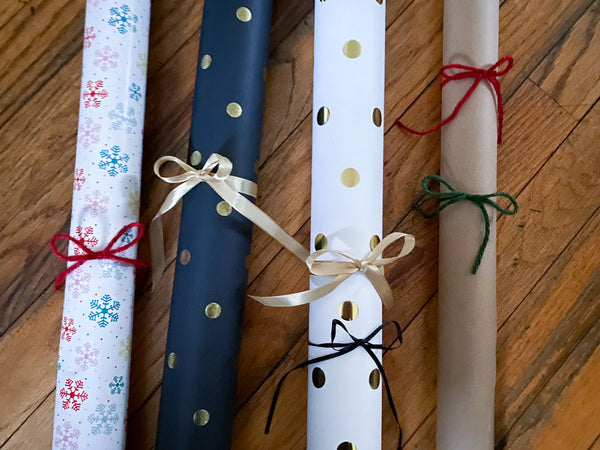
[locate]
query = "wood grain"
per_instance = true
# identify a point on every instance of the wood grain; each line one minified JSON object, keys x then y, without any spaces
{"x":548,"y":271}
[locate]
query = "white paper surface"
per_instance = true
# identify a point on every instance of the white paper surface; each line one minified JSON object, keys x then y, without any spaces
{"x":346,"y":408}
{"x":94,"y":354}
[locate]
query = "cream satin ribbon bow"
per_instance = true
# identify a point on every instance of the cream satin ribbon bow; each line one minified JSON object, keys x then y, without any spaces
{"x":217,"y":174}
{"x":230,"y":189}
{"x":371,"y":267}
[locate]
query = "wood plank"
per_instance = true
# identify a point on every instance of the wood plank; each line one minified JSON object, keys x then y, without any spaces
{"x":30,"y":351}
{"x":569,"y":73}
{"x":36,"y":430}
{"x":424,"y":437}
{"x":551,"y":319}
{"x":34,"y":56}
{"x":565,"y":414}
{"x":596,"y":444}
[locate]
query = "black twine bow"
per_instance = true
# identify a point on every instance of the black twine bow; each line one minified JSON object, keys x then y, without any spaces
{"x":342,"y":349}
{"x":453,"y":196}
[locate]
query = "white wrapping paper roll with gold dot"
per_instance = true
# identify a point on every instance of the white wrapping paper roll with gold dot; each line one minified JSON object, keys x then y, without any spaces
{"x":344,"y":410}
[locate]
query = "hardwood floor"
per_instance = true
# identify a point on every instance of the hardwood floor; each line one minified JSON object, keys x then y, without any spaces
{"x":548,"y":395}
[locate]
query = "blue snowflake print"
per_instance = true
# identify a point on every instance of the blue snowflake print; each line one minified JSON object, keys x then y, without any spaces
{"x":103,"y":310}
{"x":113,"y":161}
{"x":116,"y":385}
{"x":104,"y":419}
{"x":122,"y":19}
{"x":127,"y":236}
{"x":121,"y":119}
{"x":135,"y":92}
{"x":111,"y":269}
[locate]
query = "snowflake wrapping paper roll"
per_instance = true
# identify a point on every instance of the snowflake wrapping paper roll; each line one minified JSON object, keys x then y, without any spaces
{"x":467,"y":302}
{"x":94,"y":354}
{"x":344,"y":394}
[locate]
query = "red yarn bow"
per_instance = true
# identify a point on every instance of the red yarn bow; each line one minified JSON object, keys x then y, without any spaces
{"x":462,"y":72}
{"x":88,"y":254}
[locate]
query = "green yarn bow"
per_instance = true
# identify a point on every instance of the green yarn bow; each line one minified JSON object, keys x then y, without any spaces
{"x":453,"y":196}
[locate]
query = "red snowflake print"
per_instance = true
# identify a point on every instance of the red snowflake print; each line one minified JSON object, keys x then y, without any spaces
{"x":68,"y":329}
{"x":78,"y":179}
{"x":94,"y":93}
{"x":73,"y":394}
{"x":85,"y":235}
{"x":88,"y":37}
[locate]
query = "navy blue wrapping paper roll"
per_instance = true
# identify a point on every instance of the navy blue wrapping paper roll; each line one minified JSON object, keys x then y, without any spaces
{"x":199,"y":384}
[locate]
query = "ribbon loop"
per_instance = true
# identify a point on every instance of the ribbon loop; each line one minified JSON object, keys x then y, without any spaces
{"x":87,"y":254}
{"x":341,"y":349}
{"x":453,"y":196}
{"x":453,"y":72}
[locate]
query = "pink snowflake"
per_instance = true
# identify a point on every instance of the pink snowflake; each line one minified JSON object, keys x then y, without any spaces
{"x":85,"y":235}
{"x":88,"y":37}
{"x":65,"y":437}
{"x":89,"y":133}
{"x":78,"y":282}
{"x":94,"y":93}
{"x":87,"y":356}
{"x":106,"y":58}
{"x":78,"y":179}
{"x":68,"y":329}
{"x":96,"y":204}
{"x":73,"y":394}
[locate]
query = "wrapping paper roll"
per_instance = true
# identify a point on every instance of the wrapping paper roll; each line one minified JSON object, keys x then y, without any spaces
{"x":347,"y":181}
{"x":94,"y":354}
{"x":200,"y":372}
{"x":467,"y":303}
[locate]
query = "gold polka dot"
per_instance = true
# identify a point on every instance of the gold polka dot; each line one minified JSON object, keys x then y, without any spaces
{"x":374,"y":378}
{"x":376,"y":115}
{"x":185,"y":257}
{"x":318,"y":377}
{"x":243,"y":14}
{"x":201,"y":417}
{"x":352,"y":49}
{"x":172,"y":360}
{"x":205,"y":62}
{"x":350,"y":177}
{"x":348,"y":310}
{"x":223,"y":208}
{"x":346,"y":446}
{"x":195,"y":158}
{"x":323,"y":115}
{"x":320,"y":242}
{"x":374,"y":241}
{"x":212,"y":310}
{"x":234,"y":110}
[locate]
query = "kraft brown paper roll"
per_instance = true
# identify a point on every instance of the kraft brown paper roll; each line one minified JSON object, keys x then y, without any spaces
{"x":467,"y":302}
